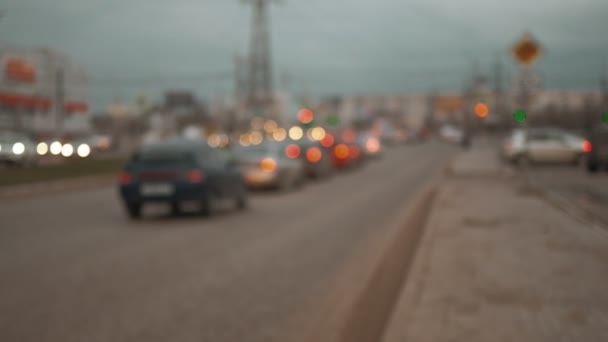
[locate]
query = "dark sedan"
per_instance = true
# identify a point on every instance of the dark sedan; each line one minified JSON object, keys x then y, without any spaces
{"x":179,"y":172}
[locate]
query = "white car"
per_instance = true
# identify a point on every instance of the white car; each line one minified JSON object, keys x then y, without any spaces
{"x":543,"y":145}
{"x":451,"y":134}
{"x":17,"y":149}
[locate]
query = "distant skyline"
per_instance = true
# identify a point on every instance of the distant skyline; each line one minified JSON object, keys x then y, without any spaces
{"x":327,"y":47}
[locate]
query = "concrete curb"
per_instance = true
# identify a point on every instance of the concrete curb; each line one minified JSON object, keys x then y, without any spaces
{"x":56,"y":187}
{"x":363,"y":296}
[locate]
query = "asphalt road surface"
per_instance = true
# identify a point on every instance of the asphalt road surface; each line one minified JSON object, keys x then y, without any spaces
{"x":73,"y":268}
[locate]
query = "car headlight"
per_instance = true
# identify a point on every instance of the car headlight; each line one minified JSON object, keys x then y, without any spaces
{"x":18,"y":148}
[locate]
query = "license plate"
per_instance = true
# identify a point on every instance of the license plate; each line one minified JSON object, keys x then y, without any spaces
{"x":161,"y":189}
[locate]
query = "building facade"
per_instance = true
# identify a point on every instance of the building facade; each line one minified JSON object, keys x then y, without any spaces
{"x":42,"y":92}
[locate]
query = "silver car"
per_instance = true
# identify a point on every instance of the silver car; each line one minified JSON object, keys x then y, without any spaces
{"x":271,"y":165}
{"x":543,"y":145}
{"x":17,"y":149}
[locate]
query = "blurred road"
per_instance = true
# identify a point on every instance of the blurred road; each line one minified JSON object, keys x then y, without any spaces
{"x":587,"y":191}
{"x":75,"y":269}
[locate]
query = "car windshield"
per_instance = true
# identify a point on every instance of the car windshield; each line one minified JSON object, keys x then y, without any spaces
{"x":163,"y":156}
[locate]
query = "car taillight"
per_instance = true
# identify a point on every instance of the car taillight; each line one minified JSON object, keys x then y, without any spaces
{"x":292,"y":151}
{"x":341,"y":151}
{"x":268,"y":165}
{"x":372,"y":145}
{"x":328,"y":140}
{"x":355,"y":152}
{"x":314,"y":154}
{"x":124,"y":178}
{"x":195,"y":176}
{"x":587,"y":146}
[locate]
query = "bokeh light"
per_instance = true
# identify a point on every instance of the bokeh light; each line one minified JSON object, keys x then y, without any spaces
{"x":67,"y":150}
{"x":328,"y":140}
{"x":270,"y":126}
{"x":279,"y":134}
{"x":42,"y":148}
{"x":292,"y":151}
{"x":341,"y":151}
{"x":314,"y":154}
{"x":296,"y":133}
{"x":256,"y":138}
{"x":481,"y":110}
{"x":519,"y":115}
{"x":305,"y":116}
{"x":55,"y":148}
{"x":244,"y":139}
{"x":317,"y":133}
{"x":83,"y":150}
{"x":605,"y":118}
{"x":18,"y":148}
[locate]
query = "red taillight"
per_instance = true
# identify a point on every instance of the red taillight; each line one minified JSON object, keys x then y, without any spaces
{"x":124,"y":178}
{"x":587,"y":146}
{"x":195,"y":176}
{"x":314,"y":155}
{"x":355,"y":152}
{"x":292,"y":151}
{"x":341,"y":151}
{"x":328,"y":140}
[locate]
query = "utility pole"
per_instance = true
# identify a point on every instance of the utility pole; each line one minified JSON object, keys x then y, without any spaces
{"x":498,"y":93}
{"x":240,"y":77}
{"x":260,"y":91}
{"x":59,"y":101}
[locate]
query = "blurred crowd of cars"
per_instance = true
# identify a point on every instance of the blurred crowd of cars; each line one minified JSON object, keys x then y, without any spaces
{"x":208,"y":173}
{"x":19,"y":149}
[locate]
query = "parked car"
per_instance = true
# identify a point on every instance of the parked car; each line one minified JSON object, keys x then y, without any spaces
{"x":271,"y":165}
{"x":17,"y":149}
{"x":177,"y":172}
{"x":597,"y":149}
{"x":543,"y":145}
{"x":370,"y":144}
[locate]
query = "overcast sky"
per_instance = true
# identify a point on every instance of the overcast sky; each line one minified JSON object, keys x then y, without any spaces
{"x":328,"y":46}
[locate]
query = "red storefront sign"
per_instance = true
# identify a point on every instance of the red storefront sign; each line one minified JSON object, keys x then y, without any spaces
{"x":40,"y":103}
{"x":20,"y":70}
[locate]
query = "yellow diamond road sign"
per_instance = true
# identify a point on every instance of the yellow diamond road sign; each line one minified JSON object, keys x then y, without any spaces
{"x":527,"y":50}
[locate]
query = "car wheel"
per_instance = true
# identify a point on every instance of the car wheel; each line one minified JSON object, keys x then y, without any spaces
{"x":134,"y":210}
{"x":578,"y":160}
{"x":206,"y":206}
{"x":592,"y":167}
{"x":523,"y":160}
{"x":242,"y":200}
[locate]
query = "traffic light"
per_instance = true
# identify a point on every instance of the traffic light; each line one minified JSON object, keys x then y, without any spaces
{"x":481,"y":110}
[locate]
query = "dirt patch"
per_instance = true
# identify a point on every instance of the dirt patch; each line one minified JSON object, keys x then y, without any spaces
{"x":576,"y":316}
{"x":528,"y":190}
{"x":501,"y":296}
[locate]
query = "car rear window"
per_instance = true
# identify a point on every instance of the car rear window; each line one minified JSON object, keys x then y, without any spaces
{"x":163,"y":157}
